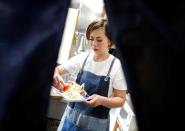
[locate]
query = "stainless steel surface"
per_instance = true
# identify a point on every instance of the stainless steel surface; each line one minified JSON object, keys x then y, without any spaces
{"x":89,"y":11}
{"x":56,"y":108}
{"x":75,"y":4}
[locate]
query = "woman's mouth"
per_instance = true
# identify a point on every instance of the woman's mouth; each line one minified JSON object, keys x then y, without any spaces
{"x":95,"y":49}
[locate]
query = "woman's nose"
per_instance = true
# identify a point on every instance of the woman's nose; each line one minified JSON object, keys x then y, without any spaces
{"x":94,"y":43}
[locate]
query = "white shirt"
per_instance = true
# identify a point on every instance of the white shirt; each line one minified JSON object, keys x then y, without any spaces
{"x":117,"y":79}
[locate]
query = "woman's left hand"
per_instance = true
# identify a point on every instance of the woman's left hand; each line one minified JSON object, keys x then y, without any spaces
{"x":95,"y":100}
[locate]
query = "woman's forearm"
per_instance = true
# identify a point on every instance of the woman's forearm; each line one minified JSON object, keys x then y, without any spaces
{"x":61,"y":70}
{"x":113,"y":102}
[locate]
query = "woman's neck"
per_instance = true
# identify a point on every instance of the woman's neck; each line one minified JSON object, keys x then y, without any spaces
{"x":100,"y":57}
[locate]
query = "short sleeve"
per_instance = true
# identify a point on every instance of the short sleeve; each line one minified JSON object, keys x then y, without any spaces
{"x":74,"y":64}
{"x":118,"y":80}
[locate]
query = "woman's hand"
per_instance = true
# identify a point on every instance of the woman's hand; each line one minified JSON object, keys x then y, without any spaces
{"x":110,"y":102}
{"x":95,"y":100}
{"x":58,"y":81}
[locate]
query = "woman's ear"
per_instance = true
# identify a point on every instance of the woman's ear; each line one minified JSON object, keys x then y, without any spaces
{"x":110,"y":44}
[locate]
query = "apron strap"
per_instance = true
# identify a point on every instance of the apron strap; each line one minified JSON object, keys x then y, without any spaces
{"x":110,"y":68}
{"x":84,"y":62}
{"x":81,"y":70}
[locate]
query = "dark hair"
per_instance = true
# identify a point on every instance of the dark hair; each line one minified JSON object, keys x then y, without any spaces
{"x":97,"y":24}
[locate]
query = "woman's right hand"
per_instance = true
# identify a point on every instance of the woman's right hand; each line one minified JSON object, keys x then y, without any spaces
{"x":58,"y":82}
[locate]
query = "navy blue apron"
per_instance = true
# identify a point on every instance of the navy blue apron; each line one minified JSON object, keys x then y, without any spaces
{"x":79,"y":116}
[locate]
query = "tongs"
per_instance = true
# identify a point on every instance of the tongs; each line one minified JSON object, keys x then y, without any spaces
{"x":83,"y":92}
{"x":65,"y":86}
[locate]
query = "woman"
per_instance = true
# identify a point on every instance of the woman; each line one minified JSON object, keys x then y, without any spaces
{"x":102,"y":75}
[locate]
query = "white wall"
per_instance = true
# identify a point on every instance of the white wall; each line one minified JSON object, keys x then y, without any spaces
{"x":68,"y":35}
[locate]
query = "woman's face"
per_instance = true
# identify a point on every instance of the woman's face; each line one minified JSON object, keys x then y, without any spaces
{"x":99,"y":42}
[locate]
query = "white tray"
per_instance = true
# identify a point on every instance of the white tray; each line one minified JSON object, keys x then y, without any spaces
{"x":55,"y":92}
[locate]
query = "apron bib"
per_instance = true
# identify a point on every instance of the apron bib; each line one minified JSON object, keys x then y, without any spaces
{"x":79,"y":116}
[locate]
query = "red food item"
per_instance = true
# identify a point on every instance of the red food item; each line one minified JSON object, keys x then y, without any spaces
{"x":66,"y":87}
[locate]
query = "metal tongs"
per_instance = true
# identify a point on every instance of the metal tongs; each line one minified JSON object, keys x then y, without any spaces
{"x":83,"y":91}
{"x":65,"y":87}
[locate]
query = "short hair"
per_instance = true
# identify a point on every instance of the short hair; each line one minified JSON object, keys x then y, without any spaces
{"x":101,"y":23}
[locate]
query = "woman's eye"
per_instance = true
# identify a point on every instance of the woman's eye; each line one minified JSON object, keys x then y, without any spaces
{"x":99,"y":40}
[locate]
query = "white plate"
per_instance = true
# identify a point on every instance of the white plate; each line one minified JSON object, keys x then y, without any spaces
{"x":56,"y":92}
{"x":73,"y":100}
{"x":69,"y":100}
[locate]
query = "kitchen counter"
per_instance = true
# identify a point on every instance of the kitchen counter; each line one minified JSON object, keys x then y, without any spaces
{"x":56,"y":106}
